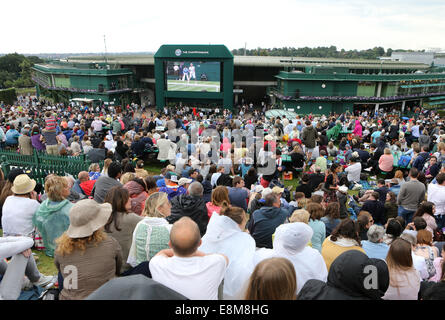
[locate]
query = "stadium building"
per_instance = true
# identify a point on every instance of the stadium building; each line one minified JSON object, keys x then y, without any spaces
{"x":317,"y":85}
{"x":92,"y":83}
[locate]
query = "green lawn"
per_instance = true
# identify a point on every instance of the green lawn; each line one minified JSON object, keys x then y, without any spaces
{"x":45,"y":263}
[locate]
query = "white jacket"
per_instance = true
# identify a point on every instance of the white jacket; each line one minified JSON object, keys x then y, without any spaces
{"x":167,"y":149}
{"x":225,"y":237}
{"x":436,"y":195}
{"x":290,"y":242}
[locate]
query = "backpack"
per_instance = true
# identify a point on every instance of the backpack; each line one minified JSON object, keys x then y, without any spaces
{"x":341,"y":159}
{"x":404,"y":161}
{"x":420,"y":162}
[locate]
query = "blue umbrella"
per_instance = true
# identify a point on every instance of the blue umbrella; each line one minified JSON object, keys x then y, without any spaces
{"x":405,"y":118}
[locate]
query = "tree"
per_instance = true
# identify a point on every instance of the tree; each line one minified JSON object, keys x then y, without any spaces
{"x":4,"y":77}
{"x":15,"y":70}
{"x":11,"y":63}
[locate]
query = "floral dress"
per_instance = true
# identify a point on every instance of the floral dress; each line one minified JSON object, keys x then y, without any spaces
{"x":330,"y":195}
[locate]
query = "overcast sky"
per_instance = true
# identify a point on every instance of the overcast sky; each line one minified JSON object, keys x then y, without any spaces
{"x":46,"y":26}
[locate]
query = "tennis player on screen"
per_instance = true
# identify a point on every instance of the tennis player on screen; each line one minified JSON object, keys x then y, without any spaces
{"x":185,"y":74}
{"x":192,"y":72}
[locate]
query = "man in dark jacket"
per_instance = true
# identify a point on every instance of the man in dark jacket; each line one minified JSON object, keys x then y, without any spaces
{"x":375,"y":208}
{"x":308,"y":137}
{"x":382,"y":189}
{"x":349,"y":279}
{"x":138,"y":146}
{"x":191,"y":205}
{"x":316,"y":178}
{"x":305,"y":186}
{"x":105,"y":183}
{"x":420,"y":160}
{"x":363,"y":154}
{"x":265,"y":220}
{"x":375,"y":154}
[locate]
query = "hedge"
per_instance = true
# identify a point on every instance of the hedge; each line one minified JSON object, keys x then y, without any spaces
{"x":8,"y":96}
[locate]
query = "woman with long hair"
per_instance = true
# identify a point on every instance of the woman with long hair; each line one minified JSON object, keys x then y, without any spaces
{"x":107,"y":163}
{"x":219,"y":198}
{"x":345,"y":237}
{"x":399,"y":176}
{"x":332,"y":217}
{"x":122,"y":221}
{"x":85,"y":248}
{"x":152,"y":233}
{"x":404,"y":279}
{"x":391,"y":206}
{"x":35,"y":139}
{"x":316,"y":212}
{"x":426,"y":211}
{"x":297,"y":157}
{"x":331,"y":183}
{"x":272,"y":279}
{"x":393,"y":230}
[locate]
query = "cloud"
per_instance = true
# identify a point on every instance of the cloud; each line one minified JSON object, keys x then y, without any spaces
{"x":50,"y":26}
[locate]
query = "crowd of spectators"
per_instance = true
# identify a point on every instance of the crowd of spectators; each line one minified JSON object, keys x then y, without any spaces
{"x":217,"y":221}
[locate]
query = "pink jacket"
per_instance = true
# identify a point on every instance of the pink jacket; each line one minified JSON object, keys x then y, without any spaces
{"x":386,"y":162}
{"x":358,"y":129}
{"x":212,"y":208}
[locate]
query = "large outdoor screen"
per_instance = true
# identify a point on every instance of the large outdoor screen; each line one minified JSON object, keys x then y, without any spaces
{"x":193,"y":76}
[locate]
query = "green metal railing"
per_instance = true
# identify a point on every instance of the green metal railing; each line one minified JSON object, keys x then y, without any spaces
{"x":39,"y":165}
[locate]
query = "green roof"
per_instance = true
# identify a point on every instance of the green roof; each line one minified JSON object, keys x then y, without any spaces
{"x":269,"y":61}
{"x":283,"y":75}
{"x":70,"y":70}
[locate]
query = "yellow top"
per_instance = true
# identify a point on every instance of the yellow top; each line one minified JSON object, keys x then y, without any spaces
{"x":330,"y":251}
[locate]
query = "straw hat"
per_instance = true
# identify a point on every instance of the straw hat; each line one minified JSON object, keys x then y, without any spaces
{"x":23,"y":184}
{"x":86,"y":217}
